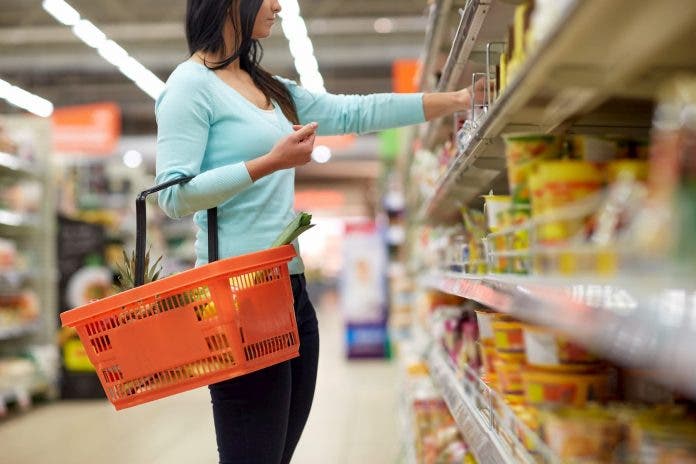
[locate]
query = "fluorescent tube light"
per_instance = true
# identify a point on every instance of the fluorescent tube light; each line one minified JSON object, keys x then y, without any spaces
{"x":108,"y":49}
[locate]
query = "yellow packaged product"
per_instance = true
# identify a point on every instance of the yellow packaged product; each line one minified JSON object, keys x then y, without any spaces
{"x":521,"y":12}
{"x":558,"y":388}
{"x":522,"y":153}
{"x":636,"y":170}
{"x":529,"y":417}
{"x":492,"y":206}
{"x":491,"y":380}
{"x":664,"y":441}
{"x":503,"y":72}
{"x":581,"y":435}
{"x":560,"y":184}
{"x":509,"y":367}
{"x":488,"y":357}
{"x":508,"y":336}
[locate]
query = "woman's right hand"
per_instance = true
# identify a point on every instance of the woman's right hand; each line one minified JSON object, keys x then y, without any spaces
{"x":295,"y":149}
{"x":291,"y":151}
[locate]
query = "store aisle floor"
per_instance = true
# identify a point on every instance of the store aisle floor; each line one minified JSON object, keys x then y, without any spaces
{"x":354,"y":419}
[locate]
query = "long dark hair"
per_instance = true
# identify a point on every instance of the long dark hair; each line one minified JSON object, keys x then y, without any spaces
{"x":205,"y":22}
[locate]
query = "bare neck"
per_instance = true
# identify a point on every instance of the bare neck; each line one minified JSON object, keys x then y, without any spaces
{"x":210,"y":59}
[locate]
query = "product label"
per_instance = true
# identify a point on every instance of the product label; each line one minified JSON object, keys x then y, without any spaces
{"x":541,"y":348}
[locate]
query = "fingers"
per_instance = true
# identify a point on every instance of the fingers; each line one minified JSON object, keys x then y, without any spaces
{"x":305,"y":131}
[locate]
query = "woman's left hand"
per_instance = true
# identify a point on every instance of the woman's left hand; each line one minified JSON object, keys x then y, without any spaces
{"x":436,"y":105}
{"x":477,"y":92}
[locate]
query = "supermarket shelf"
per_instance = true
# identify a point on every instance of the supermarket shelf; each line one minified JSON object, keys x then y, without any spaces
{"x":14,"y":165}
{"x":644,"y":321}
{"x":437,"y":22}
{"x":565,"y":80}
{"x":22,"y":396}
{"x":472,"y":18}
{"x":478,"y":432}
{"x":17,"y":220}
{"x":16,"y":331}
{"x":12,"y":281}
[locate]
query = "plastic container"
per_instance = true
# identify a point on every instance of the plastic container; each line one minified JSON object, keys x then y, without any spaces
{"x":592,"y":149}
{"x":557,"y":388}
{"x":582,"y":435}
{"x":559,"y":184}
{"x":522,"y":153}
{"x":509,"y":367}
{"x":488,"y":356}
{"x":508,"y":336}
{"x":548,"y":350}
{"x":493,"y":206}
{"x":485,"y":321}
{"x":202,"y":326}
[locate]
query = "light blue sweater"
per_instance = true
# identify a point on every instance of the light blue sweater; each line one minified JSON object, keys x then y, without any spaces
{"x":205,"y":128}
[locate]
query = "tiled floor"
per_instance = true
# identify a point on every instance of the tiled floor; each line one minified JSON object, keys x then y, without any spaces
{"x":354,"y":420}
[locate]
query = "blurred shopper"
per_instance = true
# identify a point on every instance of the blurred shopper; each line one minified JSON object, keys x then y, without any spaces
{"x":241,"y":132}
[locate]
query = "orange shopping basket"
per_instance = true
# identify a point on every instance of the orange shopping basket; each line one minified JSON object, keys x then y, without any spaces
{"x":208,"y":324}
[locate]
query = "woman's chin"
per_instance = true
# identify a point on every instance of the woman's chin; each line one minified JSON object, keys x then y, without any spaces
{"x":262,"y":35}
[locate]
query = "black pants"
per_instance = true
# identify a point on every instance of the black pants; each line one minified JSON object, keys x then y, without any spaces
{"x":259,"y":417}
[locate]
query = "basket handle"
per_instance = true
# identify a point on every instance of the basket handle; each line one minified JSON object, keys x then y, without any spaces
{"x":140,"y":226}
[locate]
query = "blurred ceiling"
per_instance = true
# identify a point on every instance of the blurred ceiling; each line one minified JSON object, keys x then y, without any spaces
{"x":45,"y":58}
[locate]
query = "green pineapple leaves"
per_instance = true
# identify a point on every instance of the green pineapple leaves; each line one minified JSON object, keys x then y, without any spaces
{"x":126,"y":270}
{"x":299,"y":225}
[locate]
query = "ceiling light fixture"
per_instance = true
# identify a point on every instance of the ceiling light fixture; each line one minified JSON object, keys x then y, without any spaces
{"x":301,"y":47}
{"x":108,"y":49}
{"x":384,"y":26}
{"x":321,"y":154}
{"x":132,"y":159}
{"x":25,"y":100}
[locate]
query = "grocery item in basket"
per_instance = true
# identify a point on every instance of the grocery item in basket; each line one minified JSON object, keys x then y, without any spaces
{"x":300,"y":224}
{"x":582,"y":434}
{"x":557,"y":388}
{"x":508,"y":336}
{"x":509,"y":367}
{"x":549,"y":350}
{"x":522,"y":153}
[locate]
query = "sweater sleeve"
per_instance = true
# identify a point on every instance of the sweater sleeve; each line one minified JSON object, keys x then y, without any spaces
{"x":184,"y":114}
{"x":346,"y":114}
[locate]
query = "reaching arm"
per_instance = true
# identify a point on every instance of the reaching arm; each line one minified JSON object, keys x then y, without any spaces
{"x":343,"y":114}
{"x":346,"y":114}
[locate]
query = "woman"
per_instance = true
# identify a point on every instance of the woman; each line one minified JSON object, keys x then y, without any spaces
{"x":236,"y":128}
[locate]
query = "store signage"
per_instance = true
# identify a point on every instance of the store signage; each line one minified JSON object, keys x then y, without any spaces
{"x":405,"y":76}
{"x":87,"y":129}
